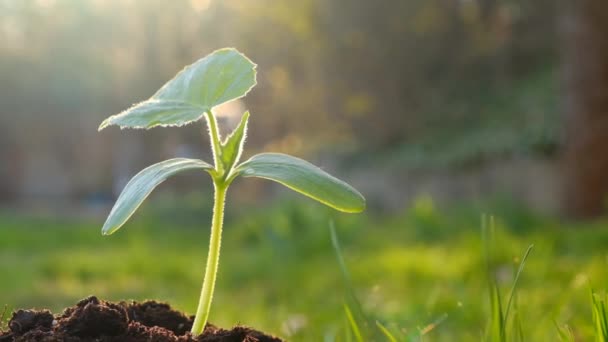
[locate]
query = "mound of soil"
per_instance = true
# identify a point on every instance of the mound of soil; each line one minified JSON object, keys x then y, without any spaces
{"x":97,"y":320}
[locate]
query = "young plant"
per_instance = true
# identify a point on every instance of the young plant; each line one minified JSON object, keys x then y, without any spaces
{"x":222,"y":76}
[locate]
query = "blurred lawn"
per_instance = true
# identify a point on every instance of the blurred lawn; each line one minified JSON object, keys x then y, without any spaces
{"x":278,"y":271}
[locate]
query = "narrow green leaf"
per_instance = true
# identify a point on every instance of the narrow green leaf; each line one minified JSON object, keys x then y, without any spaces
{"x":497,"y":329}
{"x":389,"y":336}
{"x":232,"y":147}
{"x":305,"y":178}
{"x":221,"y":76}
{"x":351,"y":300}
{"x":518,"y":329}
{"x":600,"y":316}
{"x":142,"y":184}
{"x":514,"y":287}
{"x":353,"y":324}
{"x":564,"y":332}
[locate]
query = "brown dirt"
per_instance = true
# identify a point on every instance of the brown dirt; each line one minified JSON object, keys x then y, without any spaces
{"x":92,"y":319}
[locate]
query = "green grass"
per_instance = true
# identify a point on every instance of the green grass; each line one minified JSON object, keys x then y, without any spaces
{"x":422,"y":270}
{"x":600,"y":316}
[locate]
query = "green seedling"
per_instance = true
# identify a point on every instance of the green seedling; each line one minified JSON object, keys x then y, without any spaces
{"x":222,"y":76}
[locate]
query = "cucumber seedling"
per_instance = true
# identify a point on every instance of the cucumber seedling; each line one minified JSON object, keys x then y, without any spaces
{"x":222,"y":76}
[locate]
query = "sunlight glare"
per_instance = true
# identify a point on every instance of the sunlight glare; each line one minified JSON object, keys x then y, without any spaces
{"x":200,"y":5}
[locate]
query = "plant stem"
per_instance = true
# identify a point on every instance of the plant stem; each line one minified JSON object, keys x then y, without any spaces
{"x":202,"y":313}
{"x":216,"y":144}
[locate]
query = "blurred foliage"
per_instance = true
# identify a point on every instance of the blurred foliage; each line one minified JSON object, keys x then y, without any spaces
{"x":524,"y":124}
{"x":279,"y":271}
{"x":364,"y":75}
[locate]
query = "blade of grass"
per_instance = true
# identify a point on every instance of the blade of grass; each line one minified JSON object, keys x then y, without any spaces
{"x":386,"y":332}
{"x":360,"y":323}
{"x":431,"y":326}
{"x":499,"y":319}
{"x":564,"y":333}
{"x":353,"y":324}
{"x":355,"y":305}
{"x":600,"y":317}
{"x":348,"y":333}
{"x":497,"y":331}
{"x":515,"y":281}
{"x":517,"y":327}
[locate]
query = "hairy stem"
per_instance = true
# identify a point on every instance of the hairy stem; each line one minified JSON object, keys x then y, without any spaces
{"x":202,"y":313}
{"x":216,"y":146}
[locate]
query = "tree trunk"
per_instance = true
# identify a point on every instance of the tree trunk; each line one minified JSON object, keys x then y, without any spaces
{"x":585,"y":29}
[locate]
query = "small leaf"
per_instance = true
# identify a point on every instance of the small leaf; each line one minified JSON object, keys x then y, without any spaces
{"x":305,"y":178}
{"x":222,"y":76}
{"x":232,"y":147}
{"x":142,"y":184}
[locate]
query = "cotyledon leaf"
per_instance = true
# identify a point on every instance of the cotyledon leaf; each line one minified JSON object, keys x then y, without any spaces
{"x":305,"y":178}
{"x":142,"y":184}
{"x":221,"y":76}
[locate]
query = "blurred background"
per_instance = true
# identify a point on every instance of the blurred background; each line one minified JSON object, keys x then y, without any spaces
{"x":438,"y":111}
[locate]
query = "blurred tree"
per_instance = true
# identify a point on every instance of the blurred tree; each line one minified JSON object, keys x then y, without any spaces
{"x":403,"y":70}
{"x":361,"y":77}
{"x":586,"y":75}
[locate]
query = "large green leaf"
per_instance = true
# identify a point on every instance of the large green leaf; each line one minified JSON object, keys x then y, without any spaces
{"x":142,"y":184}
{"x":305,"y":178}
{"x":222,"y":76}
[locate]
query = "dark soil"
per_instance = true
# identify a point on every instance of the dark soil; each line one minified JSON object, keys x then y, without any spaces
{"x":97,"y":320}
